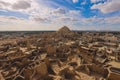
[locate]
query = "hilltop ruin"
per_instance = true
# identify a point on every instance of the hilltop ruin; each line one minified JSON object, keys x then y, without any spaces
{"x":60,"y":55}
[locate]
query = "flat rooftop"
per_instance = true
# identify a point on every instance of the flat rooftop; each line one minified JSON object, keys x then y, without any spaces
{"x":114,"y":64}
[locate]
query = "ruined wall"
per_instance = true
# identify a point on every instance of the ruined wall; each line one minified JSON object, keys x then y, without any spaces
{"x":99,"y":70}
{"x":114,"y":76}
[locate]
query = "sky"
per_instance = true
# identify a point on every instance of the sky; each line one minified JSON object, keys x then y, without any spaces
{"x":20,"y":15}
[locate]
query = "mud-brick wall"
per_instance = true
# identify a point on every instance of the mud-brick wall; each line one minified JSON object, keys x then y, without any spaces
{"x":114,"y":76}
{"x":99,"y":70}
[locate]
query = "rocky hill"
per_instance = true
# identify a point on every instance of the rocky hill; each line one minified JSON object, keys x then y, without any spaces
{"x":65,"y":32}
{"x":64,"y":29}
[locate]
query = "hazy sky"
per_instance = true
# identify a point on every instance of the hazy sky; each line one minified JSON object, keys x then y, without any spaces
{"x":53,"y":14}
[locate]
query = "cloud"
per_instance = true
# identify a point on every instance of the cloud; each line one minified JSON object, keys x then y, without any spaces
{"x":113,"y":20}
{"x":21,"y":5}
{"x":108,"y":7}
{"x":42,"y":14}
{"x":38,"y":19}
{"x":75,"y":1}
{"x":94,"y":23}
{"x":59,"y":11}
{"x":84,"y":2}
{"x":11,"y":23}
{"x":94,"y":1}
{"x":3,"y":10}
{"x":2,"y":3}
{"x":59,"y":16}
{"x":10,"y":19}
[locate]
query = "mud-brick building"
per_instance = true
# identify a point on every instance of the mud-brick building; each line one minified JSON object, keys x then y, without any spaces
{"x":87,"y":55}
